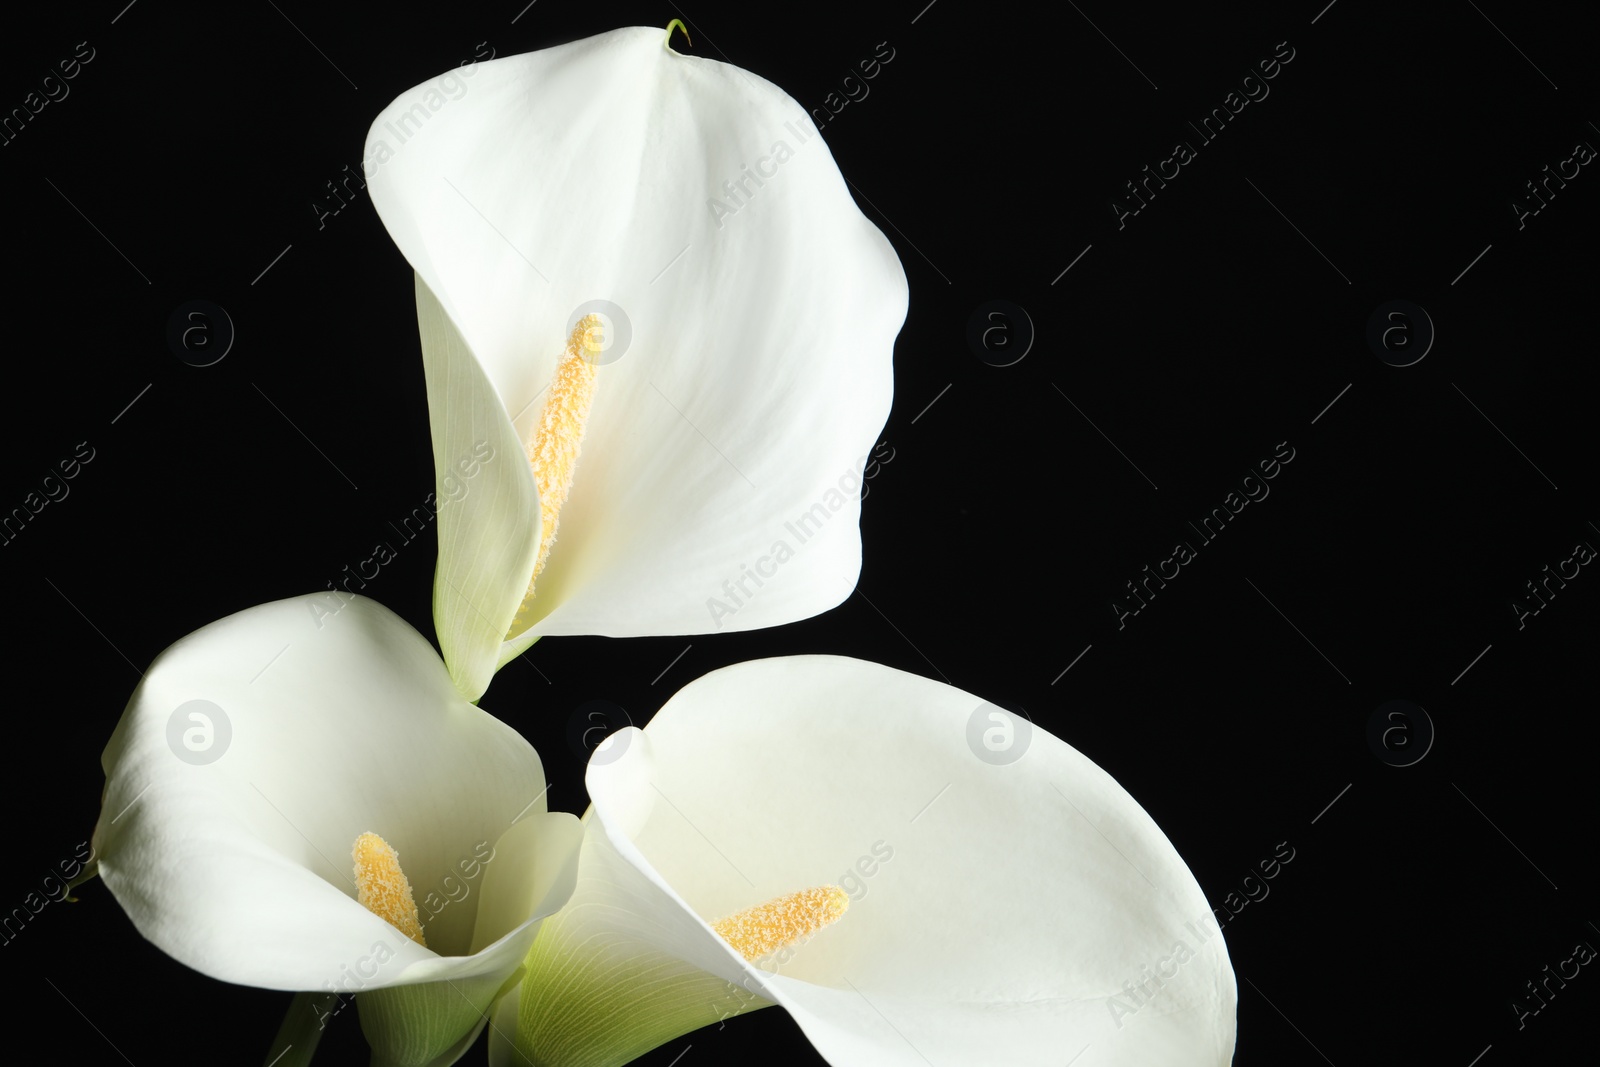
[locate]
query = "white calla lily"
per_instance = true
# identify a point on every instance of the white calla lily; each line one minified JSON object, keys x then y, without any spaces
{"x":1010,"y":903}
{"x":739,"y":367}
{"x":254,"y":754}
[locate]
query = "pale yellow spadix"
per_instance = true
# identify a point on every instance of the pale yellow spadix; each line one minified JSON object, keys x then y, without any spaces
{"x":257,"y":871}
{"x":751,"y":311}
{"x":382,"y":887}
{"x":557,"y":437}
{"x":777,"y":924}
{"x":998,"y":914}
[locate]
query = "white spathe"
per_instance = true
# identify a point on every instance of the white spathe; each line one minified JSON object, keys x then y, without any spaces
{"x":332,"y":717}
{"x":761,"y":305}
{"x":1026,"y":913}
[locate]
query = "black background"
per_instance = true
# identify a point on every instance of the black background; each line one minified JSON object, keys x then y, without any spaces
{"x":1219,"y":321}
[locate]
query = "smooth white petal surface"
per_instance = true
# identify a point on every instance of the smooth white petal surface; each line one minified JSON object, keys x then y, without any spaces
{"x":997,"y":908}
{"x":329,"y":719}
{"x":732,"y":431}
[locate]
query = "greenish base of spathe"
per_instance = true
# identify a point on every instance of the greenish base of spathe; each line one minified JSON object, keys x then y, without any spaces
{"x":583,"y":1007}
{"x":431,"y":1024}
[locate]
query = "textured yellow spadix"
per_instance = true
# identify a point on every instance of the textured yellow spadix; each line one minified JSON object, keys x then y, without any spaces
{"x":553,"y":451}
{"x":766,"y":928}
{"x":381,"y":886}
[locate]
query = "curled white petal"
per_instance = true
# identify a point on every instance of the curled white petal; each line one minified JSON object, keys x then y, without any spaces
{"x":258,"y":748}
{"x":719,"y":482}
{"x":1004,"y":911}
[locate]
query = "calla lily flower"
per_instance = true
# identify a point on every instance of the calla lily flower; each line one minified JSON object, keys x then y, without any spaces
{"x":290,"y":794}
{"x":1008,"y":902}
{"x":643,"y":272}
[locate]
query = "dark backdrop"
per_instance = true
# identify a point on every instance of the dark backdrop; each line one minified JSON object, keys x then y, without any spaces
{"x":1172,"y":350}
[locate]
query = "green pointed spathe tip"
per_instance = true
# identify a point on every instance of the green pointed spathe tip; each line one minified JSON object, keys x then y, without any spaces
{"x":667,"y":43}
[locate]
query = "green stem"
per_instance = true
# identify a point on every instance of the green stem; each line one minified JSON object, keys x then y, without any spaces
{"x":667,"y":44}
{"x":296,"y":1041}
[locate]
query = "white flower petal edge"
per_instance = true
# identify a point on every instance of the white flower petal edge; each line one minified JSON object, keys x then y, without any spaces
{"x":488,"y":505}
{"x":1001,"y":915}
{"x":324,"y":718}
{"x":758,"y":374}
